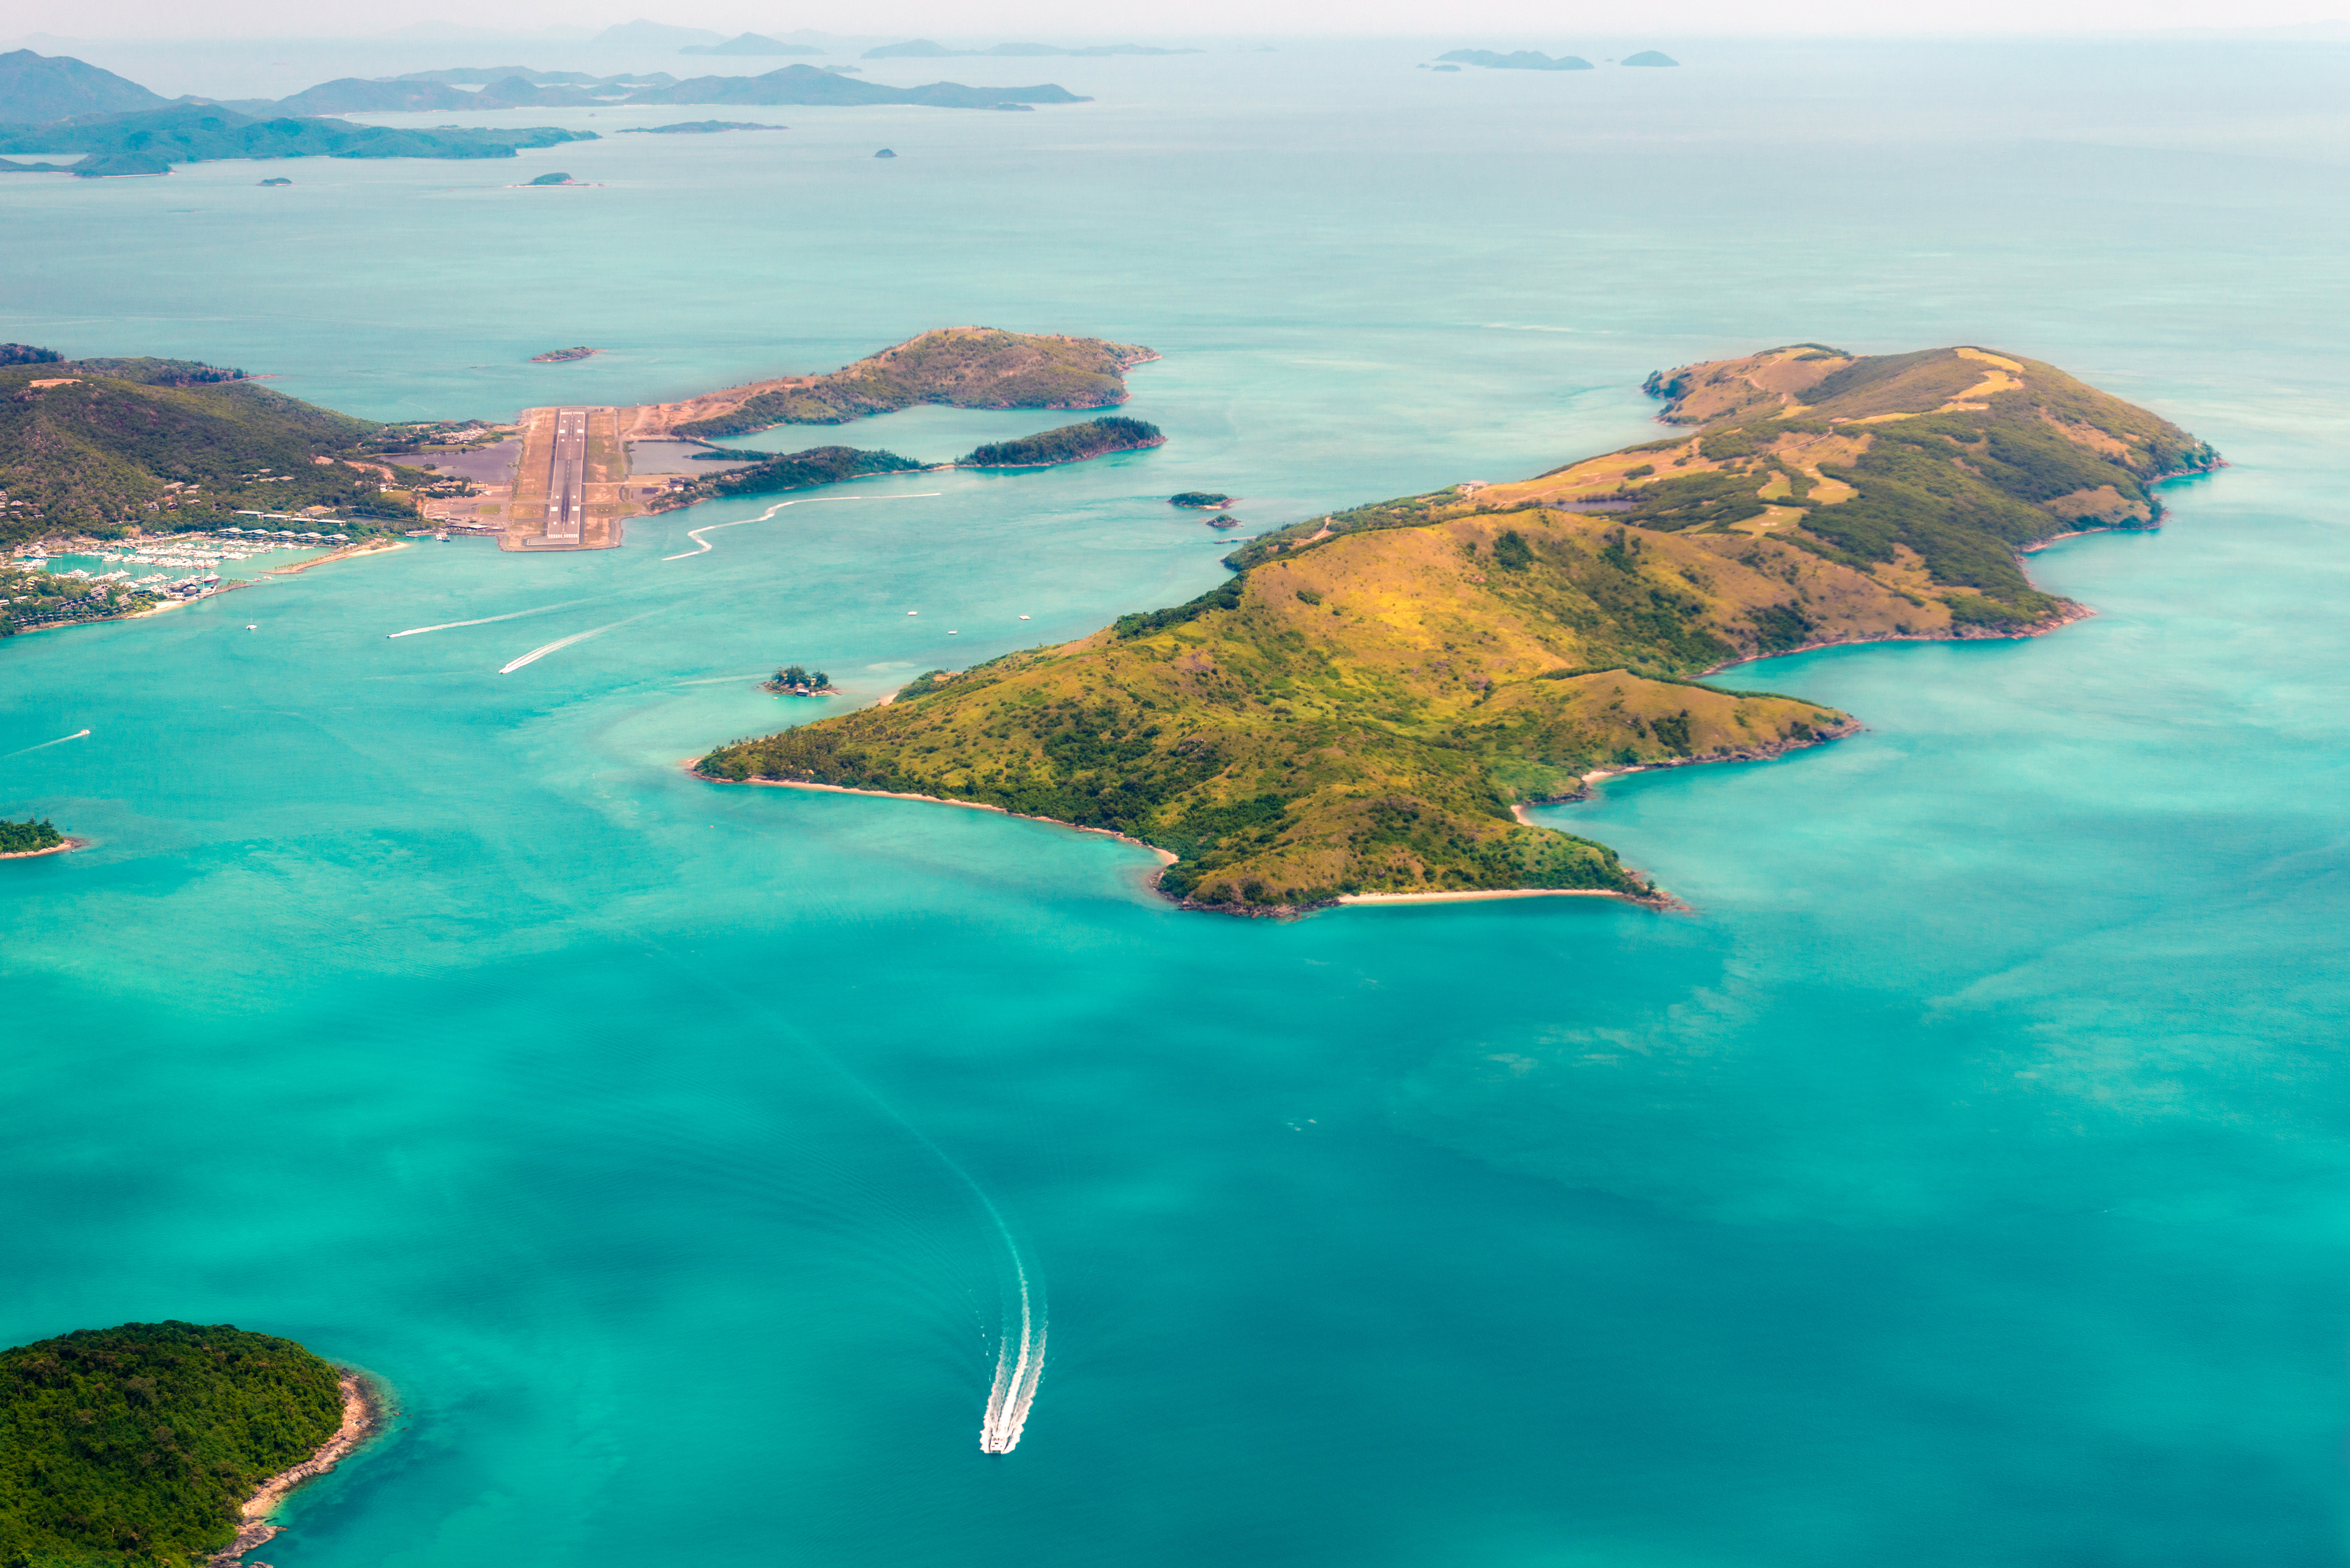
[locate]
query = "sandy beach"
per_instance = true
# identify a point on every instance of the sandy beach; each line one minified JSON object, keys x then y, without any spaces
{"x":1466,"y":897}
{"x":52,"y":849}
{"x":363,"y":1417}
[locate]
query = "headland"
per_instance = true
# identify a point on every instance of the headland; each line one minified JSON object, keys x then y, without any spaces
{"x":179,"y":1437}
{"x":1367,"y":705}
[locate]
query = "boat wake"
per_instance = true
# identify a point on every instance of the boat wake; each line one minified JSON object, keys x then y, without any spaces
{"x":485,"y":620}
{"x":1019,"y":1366}
{"x":696,"y":533}
{"x":539,"y":653}
{"x":1020,"y":1336}
{"x":45,"y":745}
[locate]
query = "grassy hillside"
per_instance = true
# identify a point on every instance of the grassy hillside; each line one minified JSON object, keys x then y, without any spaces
{"x":967,"y":367}
{"x":99,"y":452}
{"x":1927,"y":471}
{"x":139,"y":1444}
{"x":1361,"y":708}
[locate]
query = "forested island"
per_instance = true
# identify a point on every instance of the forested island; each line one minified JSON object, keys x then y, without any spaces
{"x":962,"y":367}
{"x":698,"y":128}
{"x":1361,"y":710}
{"x":1070,"y":443}
{"x":30,"y":838}
{"x":1518,"y":60}
{"x":775,"y":473}
{"x":141,"y":1444}
{"x":101,"y":446}
{"x":797,"y":681}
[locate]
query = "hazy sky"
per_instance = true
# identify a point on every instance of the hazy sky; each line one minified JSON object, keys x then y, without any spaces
{"x":1481,"y":21}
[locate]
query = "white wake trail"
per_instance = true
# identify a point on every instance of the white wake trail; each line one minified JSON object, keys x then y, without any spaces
{"x":1019,"y":1357}
{"x":1019,"y":1366}
{"x":45,"y":745}
{"x":538,"y":653}
{"x":485,"y":620}
{"x":696,"y":533}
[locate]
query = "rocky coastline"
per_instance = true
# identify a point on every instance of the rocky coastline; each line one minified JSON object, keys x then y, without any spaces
{"x":365,"y":1410}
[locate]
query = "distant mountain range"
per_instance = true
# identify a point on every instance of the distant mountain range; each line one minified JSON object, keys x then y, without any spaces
{"x":649,"y":35}
{"x":466,"y":73}
{"x":808,"y":84}
{"x":923,"y":49}
{"x":39,"y":90}
{"x":1523,"y":60}
{"x":751,"y":44}
{"x":1534,"y":60}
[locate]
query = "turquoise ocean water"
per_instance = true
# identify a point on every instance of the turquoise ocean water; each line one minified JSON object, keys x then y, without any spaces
{"x":1964,"y":1180}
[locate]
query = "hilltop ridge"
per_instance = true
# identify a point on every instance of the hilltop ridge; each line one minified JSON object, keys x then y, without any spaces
{"x":1363,"y":709}
{"x":965,"y":366}
{"x":99,"y":445}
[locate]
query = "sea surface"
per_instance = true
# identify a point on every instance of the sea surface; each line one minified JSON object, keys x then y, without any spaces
{"x":1964,"y":1179}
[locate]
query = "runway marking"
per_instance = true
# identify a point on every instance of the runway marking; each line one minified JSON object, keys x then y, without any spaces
{"x":485,"y":620}
{"x":45,"y":745}
{"x":696,"y":533}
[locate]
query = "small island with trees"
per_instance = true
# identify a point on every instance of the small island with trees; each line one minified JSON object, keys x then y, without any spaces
{"x":1070,"y":443}
{"x":796,"y":681}
{"x":557,"y":356}
{"x":163,"y":1443}
{"x":19,"y":839}
{"x":1206,"y":499}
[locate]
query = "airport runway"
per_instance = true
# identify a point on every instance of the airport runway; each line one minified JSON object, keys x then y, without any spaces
{"x":567,"y":477}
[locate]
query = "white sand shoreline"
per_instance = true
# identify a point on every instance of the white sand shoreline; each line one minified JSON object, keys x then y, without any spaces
{"x":71,"y":843}
{"x":1469,"y":894}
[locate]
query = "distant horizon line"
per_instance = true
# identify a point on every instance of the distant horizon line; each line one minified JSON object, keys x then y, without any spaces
{"x":2297,"y":32}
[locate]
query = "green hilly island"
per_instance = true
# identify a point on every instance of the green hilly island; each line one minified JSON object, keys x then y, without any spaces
{"x":139,"y":1444}
{"x":1361,"y":708}
{"x":97,"y":446}
{"x":962,"y":367}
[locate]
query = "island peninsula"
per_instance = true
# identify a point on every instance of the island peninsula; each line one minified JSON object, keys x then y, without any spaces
{"x":965,"y":366}
{"x":574,"y":485}
{"x":1365,"y":707}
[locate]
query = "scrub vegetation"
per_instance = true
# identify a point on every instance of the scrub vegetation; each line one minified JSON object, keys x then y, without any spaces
{"x":139,"y":1444}
{"x":1070,"y":443}
{"x":966,"y":366}
{"x":1361,"y":708}
{"x":797,"y":471}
